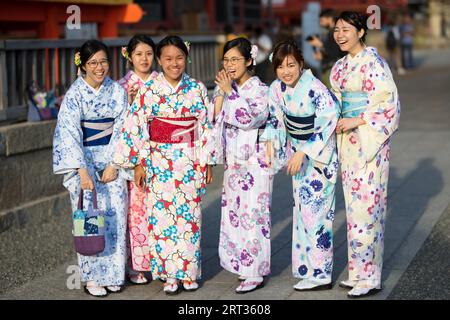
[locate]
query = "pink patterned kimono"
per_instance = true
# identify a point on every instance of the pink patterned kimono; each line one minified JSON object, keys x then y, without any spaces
{"x":138,"y":247}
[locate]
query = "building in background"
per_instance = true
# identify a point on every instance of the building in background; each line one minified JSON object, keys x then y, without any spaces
{"x":46,"y":19}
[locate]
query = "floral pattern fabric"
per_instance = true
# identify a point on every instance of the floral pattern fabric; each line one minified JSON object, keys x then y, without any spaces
{"x":364,"y":158}
{"x":82,"y":102}
{"x":175,"y":173}
{"x":244,"y":244}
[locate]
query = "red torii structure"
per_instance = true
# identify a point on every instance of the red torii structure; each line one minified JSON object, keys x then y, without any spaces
{"x":48,"y":17}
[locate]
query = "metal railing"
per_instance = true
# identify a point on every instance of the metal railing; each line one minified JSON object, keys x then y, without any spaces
{"x":50,"y":63}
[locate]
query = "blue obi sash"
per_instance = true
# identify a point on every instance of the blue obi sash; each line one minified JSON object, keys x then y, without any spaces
{"x":97,"y":132}
{"x":353,"y":104}
{"x":300,"y":128}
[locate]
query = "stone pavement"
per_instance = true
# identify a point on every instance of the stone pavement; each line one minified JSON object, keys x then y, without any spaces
{"x":419,"y":192}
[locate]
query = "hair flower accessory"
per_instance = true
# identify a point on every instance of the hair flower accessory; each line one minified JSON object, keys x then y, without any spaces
{"x":271,"y":57}
{"x":254,"y":53}
{"x":77,"y":59}
{"x":188,"y":45}
{"x":125,"y":52}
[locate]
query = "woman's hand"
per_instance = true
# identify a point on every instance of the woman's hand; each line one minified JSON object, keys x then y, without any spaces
{"x":86,"y":181}
{"x":269,"y":153}
{"x":223,"y":80}
{"x":132,"y":92}
{"x":139,"y":177}
{"x":110,"y":174}
{"x":295,"y":163}
{"x":209,"y":174}
{"x":347,"y":124}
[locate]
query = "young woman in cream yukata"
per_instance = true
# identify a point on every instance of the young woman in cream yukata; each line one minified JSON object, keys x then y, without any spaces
{"x":164,"y":140}
{"x":88,"y":126}
{"x":240,"y":102}
{"x":301,"y":131}
{"x":370,"y":114}
{"x":139,"y":53}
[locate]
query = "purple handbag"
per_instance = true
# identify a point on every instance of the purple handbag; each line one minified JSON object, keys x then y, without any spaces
{"x":88,"y":228}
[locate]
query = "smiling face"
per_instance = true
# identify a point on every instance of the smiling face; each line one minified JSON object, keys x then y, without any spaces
{"x":347,"y":37}
{"x":96,"y":68}
{"x":173,"y":63}
{"x":142,"y":58}
{"x":235,"y":64}
{"x":289,"y":71}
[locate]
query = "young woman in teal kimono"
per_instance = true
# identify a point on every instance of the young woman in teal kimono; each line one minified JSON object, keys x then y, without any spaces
{"x":87,"y":129}
{"x":302,"y":121}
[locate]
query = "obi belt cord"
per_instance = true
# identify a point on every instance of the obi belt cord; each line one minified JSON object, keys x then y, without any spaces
{"x":97,"y":132}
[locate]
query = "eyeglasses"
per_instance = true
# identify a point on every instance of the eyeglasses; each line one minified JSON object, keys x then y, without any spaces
{"x":233,"y":60}
{"x":94,"y":63}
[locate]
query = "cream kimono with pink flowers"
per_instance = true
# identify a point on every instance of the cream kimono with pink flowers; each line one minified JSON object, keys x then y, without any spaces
{"x":366,"y":89}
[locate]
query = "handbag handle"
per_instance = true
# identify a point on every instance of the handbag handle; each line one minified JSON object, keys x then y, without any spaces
{"x":80,"y":199}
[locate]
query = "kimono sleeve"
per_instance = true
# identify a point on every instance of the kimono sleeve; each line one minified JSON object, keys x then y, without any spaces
{"x":275,"y":131}
{"x":68,"y":154}
{"x":335,"y":78}
{"x":207,"y":140}
{"x":133,"y":146}
{"x":121,"y":101}
{"x":246,"y":113}
{"x":383,"y":111}
{"x":322,"y":143}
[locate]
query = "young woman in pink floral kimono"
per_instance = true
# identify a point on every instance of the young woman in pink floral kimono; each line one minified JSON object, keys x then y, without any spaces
{"x":370,"y":112}
{"x":139,"y":53}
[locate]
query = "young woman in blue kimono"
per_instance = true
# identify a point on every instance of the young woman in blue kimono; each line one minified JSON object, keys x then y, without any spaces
{"x":301,"y":135}
{"x":363,"y":82}
{"x":241,"y":108}
{"x":88,"y":126}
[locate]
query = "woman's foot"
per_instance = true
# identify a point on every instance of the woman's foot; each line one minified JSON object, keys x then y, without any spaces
{"x":250,"y":284}
{"x":190,"y":285}
{"x":241,"y":278}
{"x":137,"y":278}
{"x":312,"y":285}
{"x":347,"y":284}
{"x":364,"y":289}
{"x":171,"y":286}
{"x":94,"y":290}
{"x":114,"y":289}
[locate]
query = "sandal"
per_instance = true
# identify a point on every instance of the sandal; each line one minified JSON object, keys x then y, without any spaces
{"x":171,"y":287}
{"x":190,"y":285}
{"x":114,"y":289}
{"x":247,"y":286}
{"x":138,"y":278}
{"x":96,"y":291}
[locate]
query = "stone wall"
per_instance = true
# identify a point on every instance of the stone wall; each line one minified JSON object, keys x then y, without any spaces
{"x":29,"y":191}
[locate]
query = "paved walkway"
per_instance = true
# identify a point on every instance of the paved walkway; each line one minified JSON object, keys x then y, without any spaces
{"x":419,"y":192}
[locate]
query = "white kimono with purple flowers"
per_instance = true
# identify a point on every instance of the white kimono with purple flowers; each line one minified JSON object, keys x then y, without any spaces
{"x":244,"y":246}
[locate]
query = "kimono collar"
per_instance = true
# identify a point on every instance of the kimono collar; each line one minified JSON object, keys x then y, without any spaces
{"x":181,"y":84}
{"x":362,"y":53}
{"x":105,"y":83}
{"x":133,"y":76}
{"x":304,"y":81}
{"x":249,"y":81}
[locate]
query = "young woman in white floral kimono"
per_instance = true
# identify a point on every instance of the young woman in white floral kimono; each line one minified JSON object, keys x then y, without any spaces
{"x":88,"y":126}
{"x":140,"y":53}
{"x":370,"y":114}
{"x":240,"y":102}
{"x":301,"y":129}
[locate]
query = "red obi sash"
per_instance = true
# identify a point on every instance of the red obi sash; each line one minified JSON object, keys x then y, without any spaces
{"x":173,"y":130}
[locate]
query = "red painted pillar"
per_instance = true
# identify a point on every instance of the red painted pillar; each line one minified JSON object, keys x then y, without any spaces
{"x":49,"y":28}
{"x":108,"y":27}
{"x":211,"y":10}
{"x":169,"y":14}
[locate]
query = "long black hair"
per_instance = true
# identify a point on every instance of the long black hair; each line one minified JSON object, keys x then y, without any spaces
{"x":243,"y":45}
{"x":355,"y":19}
